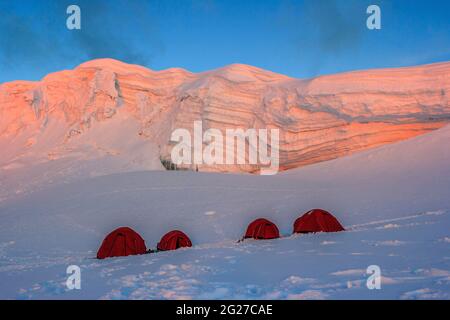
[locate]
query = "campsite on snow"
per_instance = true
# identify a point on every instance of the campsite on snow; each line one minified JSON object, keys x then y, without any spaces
{"x":248,"y":152}
{"x":363,"y":184}
{"x":395,"y":210}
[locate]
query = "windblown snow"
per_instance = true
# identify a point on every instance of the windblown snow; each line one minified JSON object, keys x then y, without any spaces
{"x":394,"y":202}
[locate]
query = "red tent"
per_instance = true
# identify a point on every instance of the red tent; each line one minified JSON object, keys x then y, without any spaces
{"x":123,"y":241}
{"x":317,"y":220}
{"x":173,"y":240}
{"x":262,"y":229}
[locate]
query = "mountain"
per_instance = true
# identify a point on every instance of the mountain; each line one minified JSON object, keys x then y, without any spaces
{"x":106,"y":109}
{"x":80,"y":149}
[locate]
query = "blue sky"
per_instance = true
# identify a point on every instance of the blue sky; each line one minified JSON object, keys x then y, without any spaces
{"x":297,"y":38}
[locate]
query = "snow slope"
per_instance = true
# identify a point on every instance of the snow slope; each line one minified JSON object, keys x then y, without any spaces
{"x":109,"y":147}
{"x":394,"y":201}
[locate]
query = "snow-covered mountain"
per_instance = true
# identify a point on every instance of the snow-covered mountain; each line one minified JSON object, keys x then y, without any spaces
{"x":393,"y":200}
{"x":80,"y":149}
{"x":106,"y":109}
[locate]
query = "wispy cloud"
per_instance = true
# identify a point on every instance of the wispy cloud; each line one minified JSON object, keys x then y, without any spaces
{"x":39,"y":34}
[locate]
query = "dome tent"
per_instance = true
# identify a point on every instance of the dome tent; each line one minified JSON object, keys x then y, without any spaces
{"x":262,"y":229}
{"x":317,"y":220}
{"x":123,"y":241}
{"x":173,"y":240}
